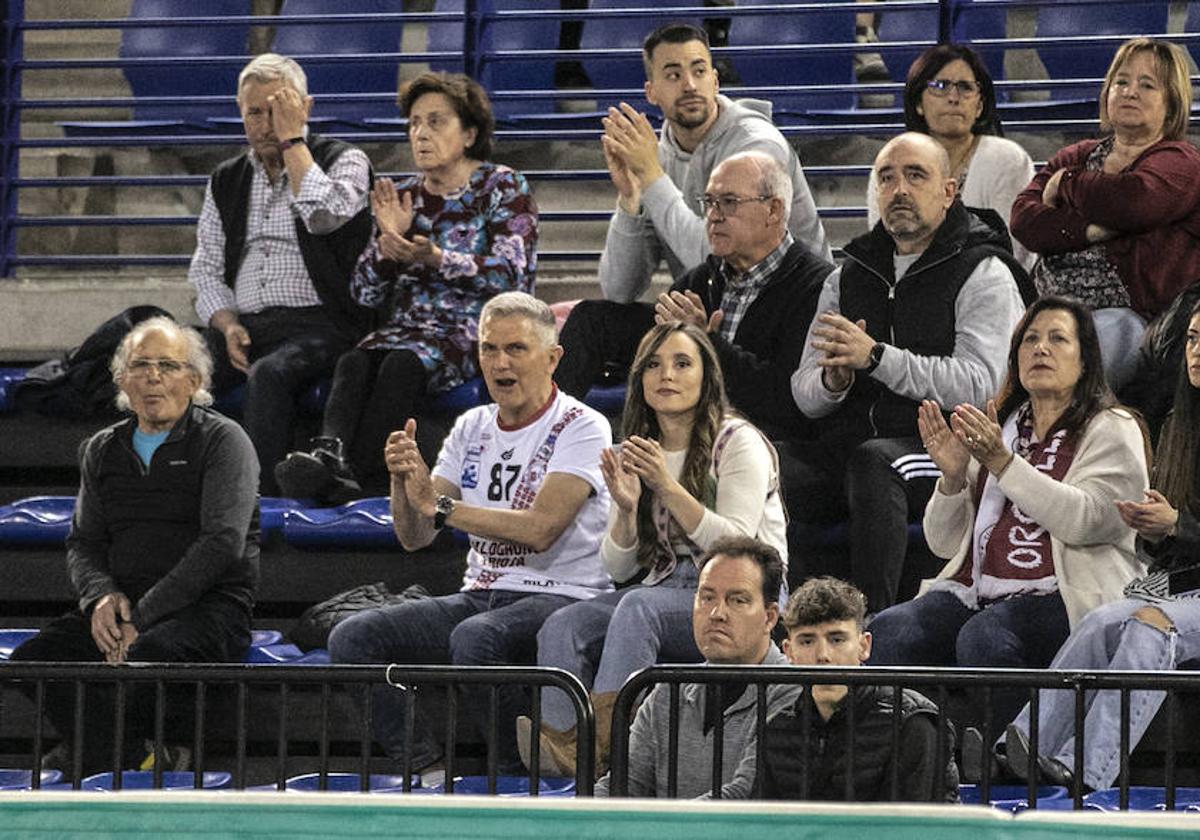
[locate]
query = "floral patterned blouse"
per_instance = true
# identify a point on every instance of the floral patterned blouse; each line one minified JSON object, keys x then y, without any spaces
{"x":488,"y":237}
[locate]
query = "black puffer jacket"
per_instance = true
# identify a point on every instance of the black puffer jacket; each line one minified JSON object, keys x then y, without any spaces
{"x":921,"y":776}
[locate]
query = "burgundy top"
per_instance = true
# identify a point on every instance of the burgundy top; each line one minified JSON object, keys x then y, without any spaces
{"x":1154,"y":204}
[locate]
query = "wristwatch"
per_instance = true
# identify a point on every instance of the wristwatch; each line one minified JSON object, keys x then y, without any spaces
{"x":295,"y":141}
{"x":876,"y":357}
{"x":443,"y":507}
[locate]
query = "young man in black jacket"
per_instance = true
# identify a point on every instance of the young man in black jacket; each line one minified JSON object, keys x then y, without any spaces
{"x":806,"y":752}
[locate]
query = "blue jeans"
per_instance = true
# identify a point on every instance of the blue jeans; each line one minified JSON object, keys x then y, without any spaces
{"x":1109,"y":637}
{"x":467,"y":628}
{"x":605,"y":640}
{"x":938,"y":629}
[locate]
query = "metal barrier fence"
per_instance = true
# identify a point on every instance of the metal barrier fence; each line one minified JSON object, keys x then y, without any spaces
{"x":33,"y":679}
{"x":240,"y":685}
{"x":478,"y":18}
{"x":935,"y":683}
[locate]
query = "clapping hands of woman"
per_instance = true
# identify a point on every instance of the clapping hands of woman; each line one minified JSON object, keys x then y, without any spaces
{"x":1153,"y":518}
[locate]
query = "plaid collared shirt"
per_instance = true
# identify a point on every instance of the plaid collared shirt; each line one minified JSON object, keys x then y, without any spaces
{"x":742,"y":289}
{"x":272,"y":271}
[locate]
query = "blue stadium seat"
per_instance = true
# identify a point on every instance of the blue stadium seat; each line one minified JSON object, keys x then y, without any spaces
{"x":272,"y":654}
{"x":45,"y":520}
{"x":8,"y":378}
{"x":330,"y":79}
{"x":1010,"y":797}
{"x":492,"y":36}
{"x":38,"y":520}
{"x":182,"y":43}
{"x":271,"y":511}
{"x":510,"y":786}
{"x":619,"y":32}
{"x":471,"y":393}
{"x":607,"y":399}
{"x":14,"y":779}
{"x":349,"y":783}
{"x":171,"y":780}
{"x":258,"y":638}
{"x":365,"y":523}
{"x":1082,"y":60}
{"x":1143,"y":798}
{"x":829,"y":27}
{"x":10,"y":640}
{"x":312,"y":401}
{"x":972,"y":21}
{"x":912,"y":25}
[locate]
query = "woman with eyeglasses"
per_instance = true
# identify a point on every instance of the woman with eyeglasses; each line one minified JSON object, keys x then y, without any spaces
{"x":447,"y":239}
{"x":1117,"y":220}
{"x":949,"y":96}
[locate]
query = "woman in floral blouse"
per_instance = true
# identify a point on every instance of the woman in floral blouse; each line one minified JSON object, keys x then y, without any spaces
{"x":448,"y":238}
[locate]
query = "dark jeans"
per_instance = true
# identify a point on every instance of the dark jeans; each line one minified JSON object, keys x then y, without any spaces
{"x":467,"y":628}
{"x":374,"y":392}
{"x":290,"y":350}
{"x":213,"y":630}
{"x":597,"y":333}
{"x":879,"y":485}
{"x":938,"y":629}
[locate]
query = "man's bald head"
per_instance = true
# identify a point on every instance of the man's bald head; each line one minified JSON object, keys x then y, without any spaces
{"x":915,"y":189}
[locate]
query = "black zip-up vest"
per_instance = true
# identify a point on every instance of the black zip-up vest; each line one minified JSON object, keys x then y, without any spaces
{"x":915,"y":313}
{"x":330,"y":259}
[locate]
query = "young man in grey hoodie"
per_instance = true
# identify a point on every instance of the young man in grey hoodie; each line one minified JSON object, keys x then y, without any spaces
{"x":659,"y":182}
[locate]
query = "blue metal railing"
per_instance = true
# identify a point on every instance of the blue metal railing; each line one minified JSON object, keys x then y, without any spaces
{"x":478,"y":19}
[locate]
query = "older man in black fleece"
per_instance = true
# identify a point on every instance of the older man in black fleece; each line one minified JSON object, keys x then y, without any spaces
{"x":163,"y":548}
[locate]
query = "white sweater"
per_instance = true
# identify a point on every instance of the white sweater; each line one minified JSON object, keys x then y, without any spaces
{"x":1094,"y":554}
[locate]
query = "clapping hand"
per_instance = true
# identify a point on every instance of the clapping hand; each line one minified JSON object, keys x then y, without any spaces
{"x":686,"y":307}
{"x":981,"y":436}
{"x":393,"y":212}
{"x":624,"y":486}
{"x":943,"y":446}
{"x":644,"y":458}
{"x":1153,"y":518}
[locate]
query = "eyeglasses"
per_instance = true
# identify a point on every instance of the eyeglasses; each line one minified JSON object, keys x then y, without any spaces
{"x":728,"y":204}
{"x":165,"y":367}
{"x":942,"y":87}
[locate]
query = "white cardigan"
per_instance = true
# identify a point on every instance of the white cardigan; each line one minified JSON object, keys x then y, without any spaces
{"x":1094,"y":554}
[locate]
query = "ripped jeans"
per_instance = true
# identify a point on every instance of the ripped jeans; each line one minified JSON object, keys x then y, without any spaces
{"x":1110,"y":638}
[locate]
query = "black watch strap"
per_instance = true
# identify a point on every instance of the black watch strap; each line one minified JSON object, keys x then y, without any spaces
{"x":876,"y":357}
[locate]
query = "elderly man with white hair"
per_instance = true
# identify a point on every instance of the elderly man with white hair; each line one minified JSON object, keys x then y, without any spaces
{"x":163,"y":548}
{"x":279,"y":234}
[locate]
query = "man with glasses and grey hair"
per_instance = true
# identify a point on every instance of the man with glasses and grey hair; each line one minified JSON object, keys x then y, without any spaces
{"x":163,"y":547}
{"x":755,"y":293}
{"x":279,"y":234}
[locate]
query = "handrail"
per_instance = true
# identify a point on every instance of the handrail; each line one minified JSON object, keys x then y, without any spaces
{"x":244,"y":676}
{"x":943,"y":679}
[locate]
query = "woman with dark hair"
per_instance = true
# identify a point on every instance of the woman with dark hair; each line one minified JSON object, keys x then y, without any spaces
{"x":1154,"y":628}
{"x":447,"y":239}
{"x":1117,"y":220}
{"x":687,"y":473}
{"x":1024,"y":509}
{"x":949,"y":96}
